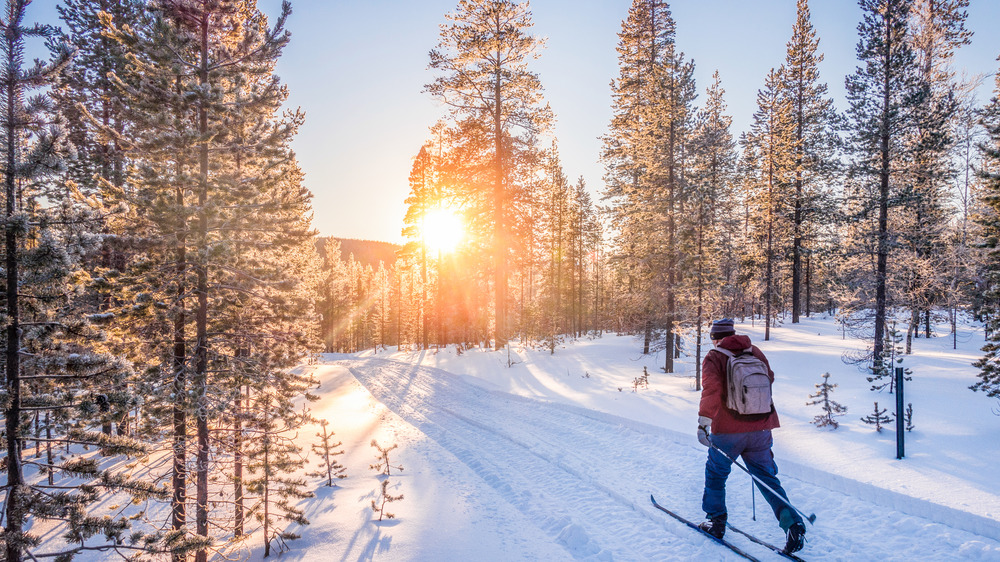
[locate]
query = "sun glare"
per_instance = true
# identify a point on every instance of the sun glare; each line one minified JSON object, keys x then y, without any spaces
{"x":443,"y":230}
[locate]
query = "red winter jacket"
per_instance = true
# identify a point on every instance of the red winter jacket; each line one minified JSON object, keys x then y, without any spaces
{"x":713,"y":393}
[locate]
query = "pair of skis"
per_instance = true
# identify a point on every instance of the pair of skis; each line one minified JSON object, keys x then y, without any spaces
{"x":724,"y":542}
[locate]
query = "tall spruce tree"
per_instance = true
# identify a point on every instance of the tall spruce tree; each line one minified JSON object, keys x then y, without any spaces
{"x":882,"y":93}
{"x":989,"y":222}
{"x":52,"y":364}
{"x":938,"y":30}
{"x":643,"y":155}
{"x":228,"y":223}
{"x":482,"y":59}
{"x":712,"y":202}
{"x":772,"y":140}
{"x":815,"y":144}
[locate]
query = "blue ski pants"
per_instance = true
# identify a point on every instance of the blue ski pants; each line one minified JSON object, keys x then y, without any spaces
{"x":755,"y":448}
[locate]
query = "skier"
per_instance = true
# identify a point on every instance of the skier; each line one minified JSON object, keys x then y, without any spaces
{"x":736,"y":435}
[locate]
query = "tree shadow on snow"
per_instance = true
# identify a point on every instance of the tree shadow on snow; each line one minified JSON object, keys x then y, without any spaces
{"x":378,"y":544}
{"x":322,"y":500}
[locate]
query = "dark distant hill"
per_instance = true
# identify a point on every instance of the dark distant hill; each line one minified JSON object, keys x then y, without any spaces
{"x":368,"y":252}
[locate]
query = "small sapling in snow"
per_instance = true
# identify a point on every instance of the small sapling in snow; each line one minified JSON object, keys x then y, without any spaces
{"x":877,"y":418}
{"x":329,"y":468}
{"x":382,"y":464}
{"x":378,"y":504}
{"x":830,"y":407}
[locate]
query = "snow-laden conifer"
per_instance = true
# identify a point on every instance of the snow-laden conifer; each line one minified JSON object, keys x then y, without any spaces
{"x":56,"y":374}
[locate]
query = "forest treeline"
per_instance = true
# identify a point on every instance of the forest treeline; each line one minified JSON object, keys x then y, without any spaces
{"x":882,"y":212}
{"x":163,"y":287}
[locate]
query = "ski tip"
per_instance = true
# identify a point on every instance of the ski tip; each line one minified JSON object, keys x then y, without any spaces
{"x":812,"y":519}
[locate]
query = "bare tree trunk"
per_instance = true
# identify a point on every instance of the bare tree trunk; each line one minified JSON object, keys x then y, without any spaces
{"x":238,"y":463}
{"x":179,"y":369}
{"x":201,"y":317}
{"x":882,"y":261}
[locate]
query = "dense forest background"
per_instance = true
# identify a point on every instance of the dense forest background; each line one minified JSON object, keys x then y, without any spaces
{"x":163,"y":286}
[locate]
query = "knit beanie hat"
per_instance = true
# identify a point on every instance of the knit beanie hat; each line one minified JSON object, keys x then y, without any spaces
{"x":722,"y":328}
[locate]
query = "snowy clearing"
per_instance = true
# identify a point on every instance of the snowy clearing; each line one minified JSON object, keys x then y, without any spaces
{"x":548,"y":460}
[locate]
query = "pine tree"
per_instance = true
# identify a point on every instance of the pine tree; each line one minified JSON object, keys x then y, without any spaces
{"x":382,"y":463}
{"x":329,"y":468}
{"x":272,"y":456}
{"x":831,"y":408}
{"x":772,"y":141}
{"x":556,"y":239}
{"x":938,"y":30}
{"x":644,"y":155}
{"x":231,"y":250}
{"x":815,"y":142}
{"x":378,"y":504}
{"x":423,"y":195}
{"x":878,"y":418}
{"x":53,"y":363}
{"x":482,"y":58}
{"x":881,"y":92}
{"x":989,"y":222}
{"x":711,"y":183}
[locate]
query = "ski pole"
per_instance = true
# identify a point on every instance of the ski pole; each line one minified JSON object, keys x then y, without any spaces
{"x":810,"y":518}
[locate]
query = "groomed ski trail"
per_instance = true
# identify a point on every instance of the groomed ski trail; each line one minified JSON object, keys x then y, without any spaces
{"x":584,"y":477}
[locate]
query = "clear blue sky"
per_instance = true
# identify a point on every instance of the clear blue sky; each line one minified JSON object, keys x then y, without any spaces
{"x":357,"y":68}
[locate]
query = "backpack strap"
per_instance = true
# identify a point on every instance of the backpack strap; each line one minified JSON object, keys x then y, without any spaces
{"x":730,"y":354}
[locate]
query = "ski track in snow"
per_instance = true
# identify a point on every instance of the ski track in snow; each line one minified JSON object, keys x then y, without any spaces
{"x":584,"y":479}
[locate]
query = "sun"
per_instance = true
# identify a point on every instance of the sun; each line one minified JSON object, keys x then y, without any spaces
{"x":442,"y":230}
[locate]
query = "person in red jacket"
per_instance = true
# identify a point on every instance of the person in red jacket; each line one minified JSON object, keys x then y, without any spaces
{"x":738,"y":435}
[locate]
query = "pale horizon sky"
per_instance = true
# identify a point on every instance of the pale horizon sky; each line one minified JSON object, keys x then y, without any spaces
{"x":357,"y":69}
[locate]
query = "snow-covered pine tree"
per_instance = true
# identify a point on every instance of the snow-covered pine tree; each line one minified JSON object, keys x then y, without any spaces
{"x":95,"y":122}
{"x":831,"y":408}
{"x":53,"y":368}
{"x":556,"y":239}
{"x":231,"y":253}
{"x":815,"y":148}
{"x":482,"y":59}
{"x":989,"y":223}
{"x":881,"y":92}
{"x":585,"y":239}
{"x":272,"y":456}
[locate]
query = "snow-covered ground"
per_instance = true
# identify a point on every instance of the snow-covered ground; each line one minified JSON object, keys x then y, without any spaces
{"x":554,"y":458}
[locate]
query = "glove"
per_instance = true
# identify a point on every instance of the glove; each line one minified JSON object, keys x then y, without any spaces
{"x":704,"y":428}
